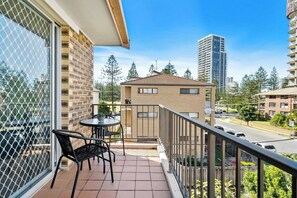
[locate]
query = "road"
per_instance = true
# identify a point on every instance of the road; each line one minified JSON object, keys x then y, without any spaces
{"x":281,"y":143}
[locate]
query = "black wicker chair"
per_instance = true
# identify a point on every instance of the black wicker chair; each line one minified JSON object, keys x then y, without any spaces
{"x":96,"y":147}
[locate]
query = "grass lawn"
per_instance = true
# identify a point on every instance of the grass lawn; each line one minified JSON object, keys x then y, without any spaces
{"x":267,"y":123}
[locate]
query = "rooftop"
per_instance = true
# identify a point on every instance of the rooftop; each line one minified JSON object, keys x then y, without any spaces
{"x":285,"y":91}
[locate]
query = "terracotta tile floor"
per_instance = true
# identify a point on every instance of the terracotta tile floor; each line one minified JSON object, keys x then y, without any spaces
{"x":138,"y":174}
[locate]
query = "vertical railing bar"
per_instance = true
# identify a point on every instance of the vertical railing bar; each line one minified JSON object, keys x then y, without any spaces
{"x":195,"y":161}
{"x":260,"y":178}
{"x":201,"y":160}
{"x":179,"y":149}
{"x":148,"y":121}
{"x":223,"y":168}
{"x":170,"y":140}
{"x":174,"y":143}
{"x":238,"y":172}
{"x":190,"y":169}
{"x":131,"y":122}
{"x":182,"y":143}
{"x":154,"y":119}
{"x":294,"y":186}
{"x":186,"y":149}
{"x":142,"y":120}
{"x":137,"y":120}
{"x":211,"y":146}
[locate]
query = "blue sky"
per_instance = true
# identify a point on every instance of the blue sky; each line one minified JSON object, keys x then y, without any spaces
{"x":256,"y":35}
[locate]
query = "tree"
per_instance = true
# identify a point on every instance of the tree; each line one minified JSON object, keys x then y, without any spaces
{"x":285,"y":82}
{"x":273,"y":81}
{"x":188,"y":74}
{"x":169,"y":69}
{"x":277,"y":183}
{"x":151,"y":69}
{"x":278,"y":120}
{"x":248,"y":113}
{"x":249,"y":87}
{"x":132,"y":73}
{"x":261,"y":78}
{"x":113,"y":74}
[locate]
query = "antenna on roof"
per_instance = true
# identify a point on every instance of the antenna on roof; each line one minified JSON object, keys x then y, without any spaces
{"x":156,"y":65}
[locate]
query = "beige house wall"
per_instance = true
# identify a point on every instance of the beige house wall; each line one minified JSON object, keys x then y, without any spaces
{"x":291,"y":101}
{"x":170,"y":97}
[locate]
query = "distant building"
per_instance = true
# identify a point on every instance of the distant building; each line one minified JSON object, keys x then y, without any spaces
{"x":212,"y":60}
{"x":186,"y":96}
{"x":229,"y":79}
{"x":278,"y":101}
{"x":292,"y":16}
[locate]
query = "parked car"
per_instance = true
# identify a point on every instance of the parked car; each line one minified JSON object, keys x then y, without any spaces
{"x":219,"y":127}
{"x":236,"y":134}
{"x":266,"y":146}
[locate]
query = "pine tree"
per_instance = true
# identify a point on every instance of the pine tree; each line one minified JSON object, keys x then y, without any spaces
{"x":261,"y":77}
{"x":132,"y":73}
{"x":273,"y":81}
{"x":169,"y":69}
{"x":151,"y":70}
{"x":188,"y":74}
{"x":112,"y":72}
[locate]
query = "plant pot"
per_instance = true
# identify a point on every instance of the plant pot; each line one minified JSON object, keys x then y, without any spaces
{"x":101,"y":118}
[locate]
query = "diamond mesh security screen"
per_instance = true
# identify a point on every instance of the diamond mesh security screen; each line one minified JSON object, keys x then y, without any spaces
{"x":24,"y":97}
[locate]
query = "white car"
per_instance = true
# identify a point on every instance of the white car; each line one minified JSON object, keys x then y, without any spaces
{"x":236,"y":134}
{"x":266,"y":146}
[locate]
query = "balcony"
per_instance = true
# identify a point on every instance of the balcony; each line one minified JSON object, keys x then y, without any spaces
{"x":140,"y":172}
{"x":292,"y":37}
{"x":292,"y":45}
{"x":292,"y":53}
{"x":292,"y":61}
{"x":292,"y":29}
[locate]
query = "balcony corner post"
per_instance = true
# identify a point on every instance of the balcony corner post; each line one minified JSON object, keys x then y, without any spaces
{"x":170,"y":136}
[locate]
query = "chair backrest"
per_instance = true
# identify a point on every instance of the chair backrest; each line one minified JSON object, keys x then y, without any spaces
{"x":64,"y":140}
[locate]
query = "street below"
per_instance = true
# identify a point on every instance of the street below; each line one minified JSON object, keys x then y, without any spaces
{"x":282,"y":143}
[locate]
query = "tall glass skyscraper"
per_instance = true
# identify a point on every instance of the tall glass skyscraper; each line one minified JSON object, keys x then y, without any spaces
{"x":212,"y":61}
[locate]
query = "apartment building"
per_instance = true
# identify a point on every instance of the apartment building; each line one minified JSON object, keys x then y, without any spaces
{"x":212,"y":60}
{"x":292,"y":16}
{"x":278,"y":101}
{"x":189,"y":97}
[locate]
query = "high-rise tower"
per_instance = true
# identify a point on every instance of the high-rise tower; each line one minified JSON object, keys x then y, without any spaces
{"x":292,"y":16}
{"x":212,"y":60}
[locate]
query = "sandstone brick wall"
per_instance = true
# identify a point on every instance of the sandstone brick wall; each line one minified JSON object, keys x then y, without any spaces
{"x":77,"y":79}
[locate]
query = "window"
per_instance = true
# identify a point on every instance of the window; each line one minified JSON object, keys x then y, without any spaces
{"x":285,"y":97}
{"x":272,"y":104}
{"x":148,"y":90}
{"x":189,"y":91}
{"x":191,"y":114}
{"x":284,"y":105}
{"x":271,"y":113}
{"x":147,"y":114}
{"x":284,"y":113}
{"x":272,"y":97}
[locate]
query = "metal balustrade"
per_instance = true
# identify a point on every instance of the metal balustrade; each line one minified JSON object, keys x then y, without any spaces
{"x":192,"y":148}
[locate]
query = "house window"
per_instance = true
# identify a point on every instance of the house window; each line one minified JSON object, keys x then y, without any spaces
{"x":284,"y":113}
{"x":272,"y":97}
{"x":148,"y":90}
{"x":147,"y":114}
{"x":284,"y":105}
{"x":189,"y":91}
{"x":285,"y":97}
{"x":272,"y":104}
{"x":271,"y":113}
{"x":191,"y":114}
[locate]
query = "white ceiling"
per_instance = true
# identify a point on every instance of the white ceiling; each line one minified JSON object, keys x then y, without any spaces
{"x":92,"y":17}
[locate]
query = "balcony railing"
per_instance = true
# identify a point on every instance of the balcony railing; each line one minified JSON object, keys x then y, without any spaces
{"x":199,"y":153}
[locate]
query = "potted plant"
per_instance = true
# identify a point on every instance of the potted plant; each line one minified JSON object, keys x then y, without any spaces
{"x":103,"y":111}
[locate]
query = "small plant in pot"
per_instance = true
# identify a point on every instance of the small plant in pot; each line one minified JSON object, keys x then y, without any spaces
{"x":103,"y":111}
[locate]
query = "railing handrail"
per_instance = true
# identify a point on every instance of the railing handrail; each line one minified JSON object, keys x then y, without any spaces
{"x":277,"y":160}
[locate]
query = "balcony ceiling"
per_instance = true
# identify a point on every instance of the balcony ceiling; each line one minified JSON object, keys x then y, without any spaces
{"x":102,"y":21}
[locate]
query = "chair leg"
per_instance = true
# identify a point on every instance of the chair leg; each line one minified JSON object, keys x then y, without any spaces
{"x":103,"y":162}
{"x":75,"y":180}
{"x":56,"y":171}
{"x":110,"y":164}
{"x":89,"y":164}
{"x":81,"y":165}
